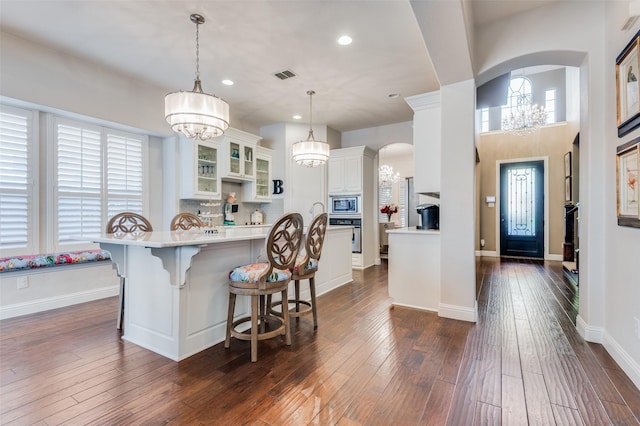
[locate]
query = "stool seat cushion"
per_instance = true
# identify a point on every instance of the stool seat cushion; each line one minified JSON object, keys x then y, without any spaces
{"x":311,"y":264}
{"x":251,"y":273}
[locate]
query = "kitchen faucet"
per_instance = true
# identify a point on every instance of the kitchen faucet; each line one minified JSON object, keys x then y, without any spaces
{"x":312,"y":209}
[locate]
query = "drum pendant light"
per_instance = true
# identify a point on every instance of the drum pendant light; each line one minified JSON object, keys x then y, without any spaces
{"x":196,"y":114}
{"x":310,"y":152}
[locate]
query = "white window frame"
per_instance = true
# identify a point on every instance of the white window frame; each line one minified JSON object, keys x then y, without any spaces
{"x":33,"y":161}
{"x":484,"y":120}
{"x":550,"y":97}
{"x":52,"y":244}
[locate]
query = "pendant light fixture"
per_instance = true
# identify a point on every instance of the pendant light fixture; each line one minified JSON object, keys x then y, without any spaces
{"x":196,"y":114}
{"x":310,"y":152}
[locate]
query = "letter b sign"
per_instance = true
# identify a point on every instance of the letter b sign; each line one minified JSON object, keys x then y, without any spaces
{"x":278,"y":186}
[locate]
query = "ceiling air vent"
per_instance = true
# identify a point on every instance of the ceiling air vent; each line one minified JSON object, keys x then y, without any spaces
{"x":283,"y":75}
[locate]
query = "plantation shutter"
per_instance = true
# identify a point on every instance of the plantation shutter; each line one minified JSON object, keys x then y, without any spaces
{"x":17,"y":234}
{"x":79,"y":181}
{"x":124,"y":173}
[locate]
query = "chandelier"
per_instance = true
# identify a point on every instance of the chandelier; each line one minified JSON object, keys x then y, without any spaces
{"x":196,"y":114}
{"x":525,"y":118}
{"x":386,"y":176}
{"x":310,"y":152}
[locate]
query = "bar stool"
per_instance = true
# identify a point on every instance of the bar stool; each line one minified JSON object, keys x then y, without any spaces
{"x":306,"y":268}
{"x":258,"y":280}
{"x":126,"y":223}
{"x":185,"y":221}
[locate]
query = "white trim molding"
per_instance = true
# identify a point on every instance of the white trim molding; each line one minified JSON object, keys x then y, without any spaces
{"x":417,"y":308}
{"x":461,"y":313}
{"x":55,"y":302}
{"x":589,"y":333}
{"x":624,"y":360}
{"x":487,"y":253}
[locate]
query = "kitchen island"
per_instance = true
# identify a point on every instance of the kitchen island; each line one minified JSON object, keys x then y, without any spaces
{"x":176,"y":294}
{"x":414,"y":268}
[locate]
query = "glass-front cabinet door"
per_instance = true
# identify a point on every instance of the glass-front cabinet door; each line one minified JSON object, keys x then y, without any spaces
{"x":249,"y":165}
{"x":207,"y":171}
{"x":240,"y":160}
{"x":258,"y":190}
{"x":200,"y":170}
{"x":262,"y":177}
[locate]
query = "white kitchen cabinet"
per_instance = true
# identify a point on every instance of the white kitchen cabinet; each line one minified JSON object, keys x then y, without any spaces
{"x":345,"y":173}
{"x":200,"y":170}
{"x":238,"y":158}
{"x":259,"y":189}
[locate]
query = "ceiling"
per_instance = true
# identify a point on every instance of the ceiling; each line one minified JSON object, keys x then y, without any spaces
{"x":249,"y":41}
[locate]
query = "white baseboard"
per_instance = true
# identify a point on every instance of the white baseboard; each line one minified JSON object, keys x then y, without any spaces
{"x":461,"y":313}
{"x":589,"y":333}
{"x":555,"y":257}
{"x":487,"y":253}
{"x":624,"y":360}
{"x":419,"y":308}
{"x":42,"y":305}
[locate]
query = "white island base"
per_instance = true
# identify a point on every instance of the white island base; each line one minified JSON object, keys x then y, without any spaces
{"x":414,"y":268}
{"x":176,"y":294}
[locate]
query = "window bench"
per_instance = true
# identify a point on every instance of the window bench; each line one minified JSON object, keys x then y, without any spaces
{"x":37,"y":283}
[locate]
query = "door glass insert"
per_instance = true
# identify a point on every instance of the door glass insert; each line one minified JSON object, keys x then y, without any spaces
{"x":521,"y":209}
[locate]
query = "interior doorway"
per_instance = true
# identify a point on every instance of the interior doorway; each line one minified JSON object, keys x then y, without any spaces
{"x":522,"y":209}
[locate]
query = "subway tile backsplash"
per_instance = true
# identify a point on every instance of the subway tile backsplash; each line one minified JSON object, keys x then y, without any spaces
{"x":270,"y":211}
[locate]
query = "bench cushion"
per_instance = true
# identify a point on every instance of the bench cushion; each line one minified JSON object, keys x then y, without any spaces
{"x":251,"y":273}
{"x":20,"y":263}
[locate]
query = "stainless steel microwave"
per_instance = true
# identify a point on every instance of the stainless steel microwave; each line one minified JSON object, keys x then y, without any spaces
{"x":345,"y":204}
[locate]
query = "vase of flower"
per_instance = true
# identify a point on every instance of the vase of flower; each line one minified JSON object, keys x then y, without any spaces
{"x":389,"y":210}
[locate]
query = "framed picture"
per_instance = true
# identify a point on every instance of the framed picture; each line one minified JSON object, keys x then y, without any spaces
{"x":567,"y":189}
{"x":567,"y":164}
{"x":627,"y":186}
{"x":627,"y":90}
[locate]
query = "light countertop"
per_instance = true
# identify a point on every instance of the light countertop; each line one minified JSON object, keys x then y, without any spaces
{"x":414,"y":231}
{"x":161,"y":239}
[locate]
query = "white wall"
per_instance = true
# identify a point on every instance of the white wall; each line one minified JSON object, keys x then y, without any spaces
{"x":377,"y":137}
{"x":585,"y":34}
{"x":622,"y":244}
{"x":310,"y":182}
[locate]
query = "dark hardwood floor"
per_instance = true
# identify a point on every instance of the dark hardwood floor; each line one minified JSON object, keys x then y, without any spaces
{"x":367,"y":363}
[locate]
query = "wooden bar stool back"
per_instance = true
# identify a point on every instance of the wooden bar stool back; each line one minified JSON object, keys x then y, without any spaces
{"x":264,"y":278}
{"x":306,"y":268}
{"x":185,"y":221}
{"x":126,"y":223}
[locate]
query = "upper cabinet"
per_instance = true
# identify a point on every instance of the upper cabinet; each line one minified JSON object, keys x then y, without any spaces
{"x":427,"y":141}
{"x":200,"y":168}
{"x":258,"y":190}
{"x":238,"y":161}
{"x":345,"y":171}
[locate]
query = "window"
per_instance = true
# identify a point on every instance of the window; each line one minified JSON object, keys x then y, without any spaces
{"x":98,"y":173}
{"x":550,"y":105}
{"x":18,"y":178}
{"x":519,"y":95}
{"x":484,"y":119}
{"x":385,"y":197}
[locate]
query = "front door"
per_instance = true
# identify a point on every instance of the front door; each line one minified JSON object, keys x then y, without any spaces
{"x":522,"y":209}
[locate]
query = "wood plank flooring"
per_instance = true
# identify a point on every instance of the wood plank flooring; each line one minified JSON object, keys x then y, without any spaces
{"x":368,"y":363}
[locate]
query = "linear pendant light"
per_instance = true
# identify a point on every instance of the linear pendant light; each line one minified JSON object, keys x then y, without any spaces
{"x":310,"y":152}
{"x":196,"y":114}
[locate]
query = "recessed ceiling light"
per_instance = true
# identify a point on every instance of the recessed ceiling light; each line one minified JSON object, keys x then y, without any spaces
{"x":297,"y":117}
{"x":227,"y":82}
{"x":393,"y":95}
{"x":345,"y":40}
